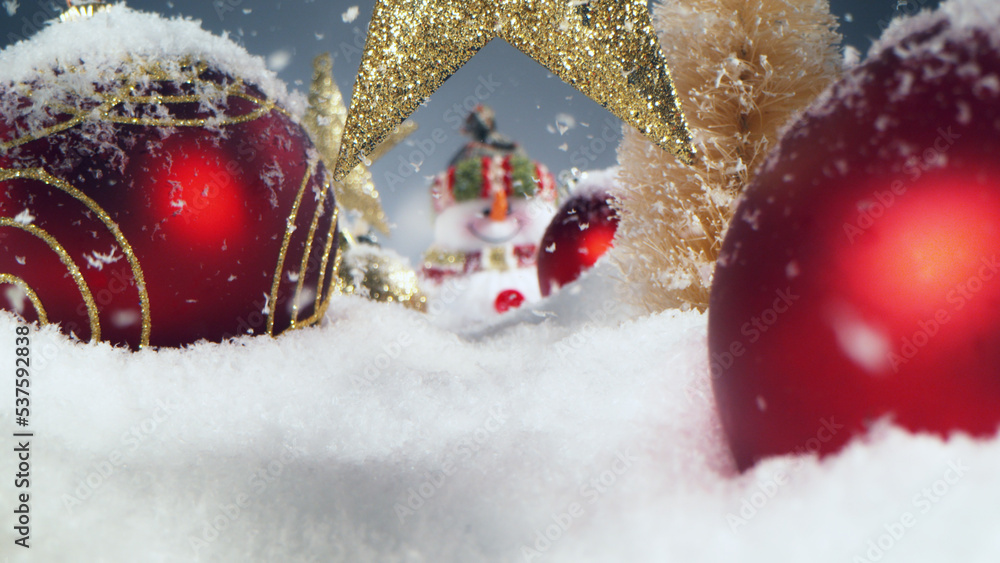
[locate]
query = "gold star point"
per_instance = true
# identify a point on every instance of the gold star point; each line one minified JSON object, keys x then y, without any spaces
{"x":324,"y":120}
{"x":607,"y":49}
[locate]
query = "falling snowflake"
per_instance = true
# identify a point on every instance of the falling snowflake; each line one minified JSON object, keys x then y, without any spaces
{"x":16,"y":297}
{"x":97,"y":260}
{"x":279,"y":60}
{"x":565,"y":122}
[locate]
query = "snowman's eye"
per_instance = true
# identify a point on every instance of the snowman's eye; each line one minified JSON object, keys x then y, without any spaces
{"x":486,"y":212}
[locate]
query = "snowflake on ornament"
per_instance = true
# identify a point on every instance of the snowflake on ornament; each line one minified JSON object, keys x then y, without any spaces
{"x":492,"y":206}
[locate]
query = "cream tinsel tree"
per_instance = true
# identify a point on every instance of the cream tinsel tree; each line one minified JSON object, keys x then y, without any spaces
{"x":742,"y":68}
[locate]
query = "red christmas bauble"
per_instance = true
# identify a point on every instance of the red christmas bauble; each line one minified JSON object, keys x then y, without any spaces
{"x":580,"y":233}
{"x":161,"y":202}
{"x":860,"y":278}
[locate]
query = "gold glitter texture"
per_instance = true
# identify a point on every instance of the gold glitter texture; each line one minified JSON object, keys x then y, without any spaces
{"x":183,"y":71}
{"x":324,"y":120}
{"x":189,"y":74}
{"x":43,"y":317}
{"x":71,"y":267}
{"x":321,"y":305}
{"x":495,"y":258}
{"x":272,"y":302}
{"x":304,"y":265}
{"x":377,"y":276}
{"x":605,"y":48}
{"x":84,"y":10}
{"x":140,"y":280}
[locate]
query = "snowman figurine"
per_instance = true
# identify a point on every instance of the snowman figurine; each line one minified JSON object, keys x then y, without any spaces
{"x":492,"y":207}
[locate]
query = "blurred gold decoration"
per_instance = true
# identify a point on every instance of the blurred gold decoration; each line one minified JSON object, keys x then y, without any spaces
{"x":378,"y":274}
{"x":605,"y":48}
{"x":742,"y":69}
{"x":77,"y":9}
{"x":324,"y":120}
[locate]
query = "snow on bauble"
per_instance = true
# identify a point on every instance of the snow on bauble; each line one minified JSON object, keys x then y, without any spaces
{"x":156,"y":188}
{"x":582,"y":231}
{"x":860,"y":278}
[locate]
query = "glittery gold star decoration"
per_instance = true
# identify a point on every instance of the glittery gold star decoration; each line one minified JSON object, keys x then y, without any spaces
{"x":324,"y":120}
{"x":605,"y":48}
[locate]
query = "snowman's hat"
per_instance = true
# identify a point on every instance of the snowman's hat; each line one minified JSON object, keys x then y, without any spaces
{"x":488,"y":165}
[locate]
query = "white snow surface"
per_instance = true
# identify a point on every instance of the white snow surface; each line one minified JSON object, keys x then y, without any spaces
{"x":381,"y":437}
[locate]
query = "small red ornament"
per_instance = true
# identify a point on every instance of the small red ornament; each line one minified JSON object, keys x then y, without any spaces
{"x":581,"y":232}
{"x":860,"y":278}
{"x":175,"y":202}
{"x":507,"y":300}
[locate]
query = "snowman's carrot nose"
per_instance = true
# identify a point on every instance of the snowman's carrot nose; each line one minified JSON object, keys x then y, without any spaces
{"x":499,"y":210}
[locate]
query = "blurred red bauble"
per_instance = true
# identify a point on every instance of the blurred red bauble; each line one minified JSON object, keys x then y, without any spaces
{"x":581,"y":232}
{"x":860,"y":278}
{"x":157,"y":200}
